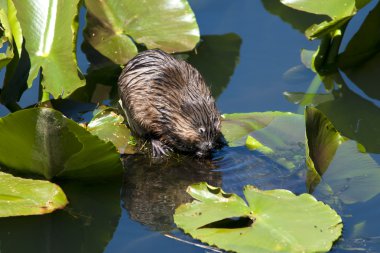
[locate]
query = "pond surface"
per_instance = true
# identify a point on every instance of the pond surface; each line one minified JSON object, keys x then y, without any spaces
{"x":255,"y":65}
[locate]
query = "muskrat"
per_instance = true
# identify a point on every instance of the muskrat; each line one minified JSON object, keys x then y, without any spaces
{"x":167,"y":102}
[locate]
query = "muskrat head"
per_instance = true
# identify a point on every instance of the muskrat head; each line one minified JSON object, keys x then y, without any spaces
{"x":207,"y":138}
{"x":198,"y":133}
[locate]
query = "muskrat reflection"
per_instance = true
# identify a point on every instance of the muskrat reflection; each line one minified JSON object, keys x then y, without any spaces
{"x":151,"y":192}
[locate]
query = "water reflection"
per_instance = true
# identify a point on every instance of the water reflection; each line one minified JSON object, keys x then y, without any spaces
{"x":240,"y":166}
{"x":152,"y":191}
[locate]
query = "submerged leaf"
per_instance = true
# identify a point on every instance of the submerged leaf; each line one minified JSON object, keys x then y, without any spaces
{"x":19,"y":196}
{"x":49,"y":29}
{"x":272,"y":221}
{"x":166,"y":24}
{"x":237,"y":126}
{"x":54,"y":146}
{"x":308,"y":98}
{"x":279,"y":135}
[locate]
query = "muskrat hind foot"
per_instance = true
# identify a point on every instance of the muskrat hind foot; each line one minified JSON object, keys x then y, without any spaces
{"x":159,"y":149}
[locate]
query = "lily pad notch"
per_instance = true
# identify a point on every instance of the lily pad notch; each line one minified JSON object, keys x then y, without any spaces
{"x":271,"y":221}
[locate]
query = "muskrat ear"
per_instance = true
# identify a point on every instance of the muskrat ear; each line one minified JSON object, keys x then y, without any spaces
{"x":201,"y":130}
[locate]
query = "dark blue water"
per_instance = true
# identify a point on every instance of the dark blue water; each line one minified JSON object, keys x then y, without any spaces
{"x":269,"y":64}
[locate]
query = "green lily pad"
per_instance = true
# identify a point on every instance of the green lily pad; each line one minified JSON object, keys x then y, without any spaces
{"x":165,"y":24}
{"x":19,"y":196}
{"x":44,"y":142}
{"x":348,"y":173}
{"x":340,"y":11}
{"x":13,"y":26}
{"x":110,"y":126}
{"x":332,"y":8}
{"x":299,"y":20}
{"x":6,"y":35}
{"x":49,"y":29}
{"x":270,"y":221}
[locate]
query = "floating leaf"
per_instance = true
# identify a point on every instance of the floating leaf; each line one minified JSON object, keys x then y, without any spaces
{"x":340,"y":11}
{"x":49,"y":29}
{"x":347,"y":173}
{"x":332,"y":8}
{"x":54,"y":146}
{"x":6,"y":36}
{"x":272,"y":221}
{"x":165,"y":24}
{"x":13,"y":25}
{"x":299,"y":20}
{"x":110,"y":126}
{"x":19,"y":196}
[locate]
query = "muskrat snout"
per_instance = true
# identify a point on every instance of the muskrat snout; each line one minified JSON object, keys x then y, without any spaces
{"x":204,"y":148}
{"x":206,"y":145}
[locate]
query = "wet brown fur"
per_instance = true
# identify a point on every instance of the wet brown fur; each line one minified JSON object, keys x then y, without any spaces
{"x":167,"y":100}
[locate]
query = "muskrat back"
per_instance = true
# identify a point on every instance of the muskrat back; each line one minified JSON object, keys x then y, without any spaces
{"x":168,"y":103}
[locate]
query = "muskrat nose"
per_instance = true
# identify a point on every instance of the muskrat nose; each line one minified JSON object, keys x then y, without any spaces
{"x":207,"y":145}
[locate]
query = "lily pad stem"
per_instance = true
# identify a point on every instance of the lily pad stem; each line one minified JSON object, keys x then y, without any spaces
{"x":336,"y":40}
{"x":323,"y":51}
{"x":43,"y":95}
{"x":326,"y":59}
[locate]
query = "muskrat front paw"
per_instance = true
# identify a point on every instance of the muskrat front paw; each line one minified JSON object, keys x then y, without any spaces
{"x":159,"y":149}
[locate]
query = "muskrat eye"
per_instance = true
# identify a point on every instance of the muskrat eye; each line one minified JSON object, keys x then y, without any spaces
{"x":201,"y":130}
